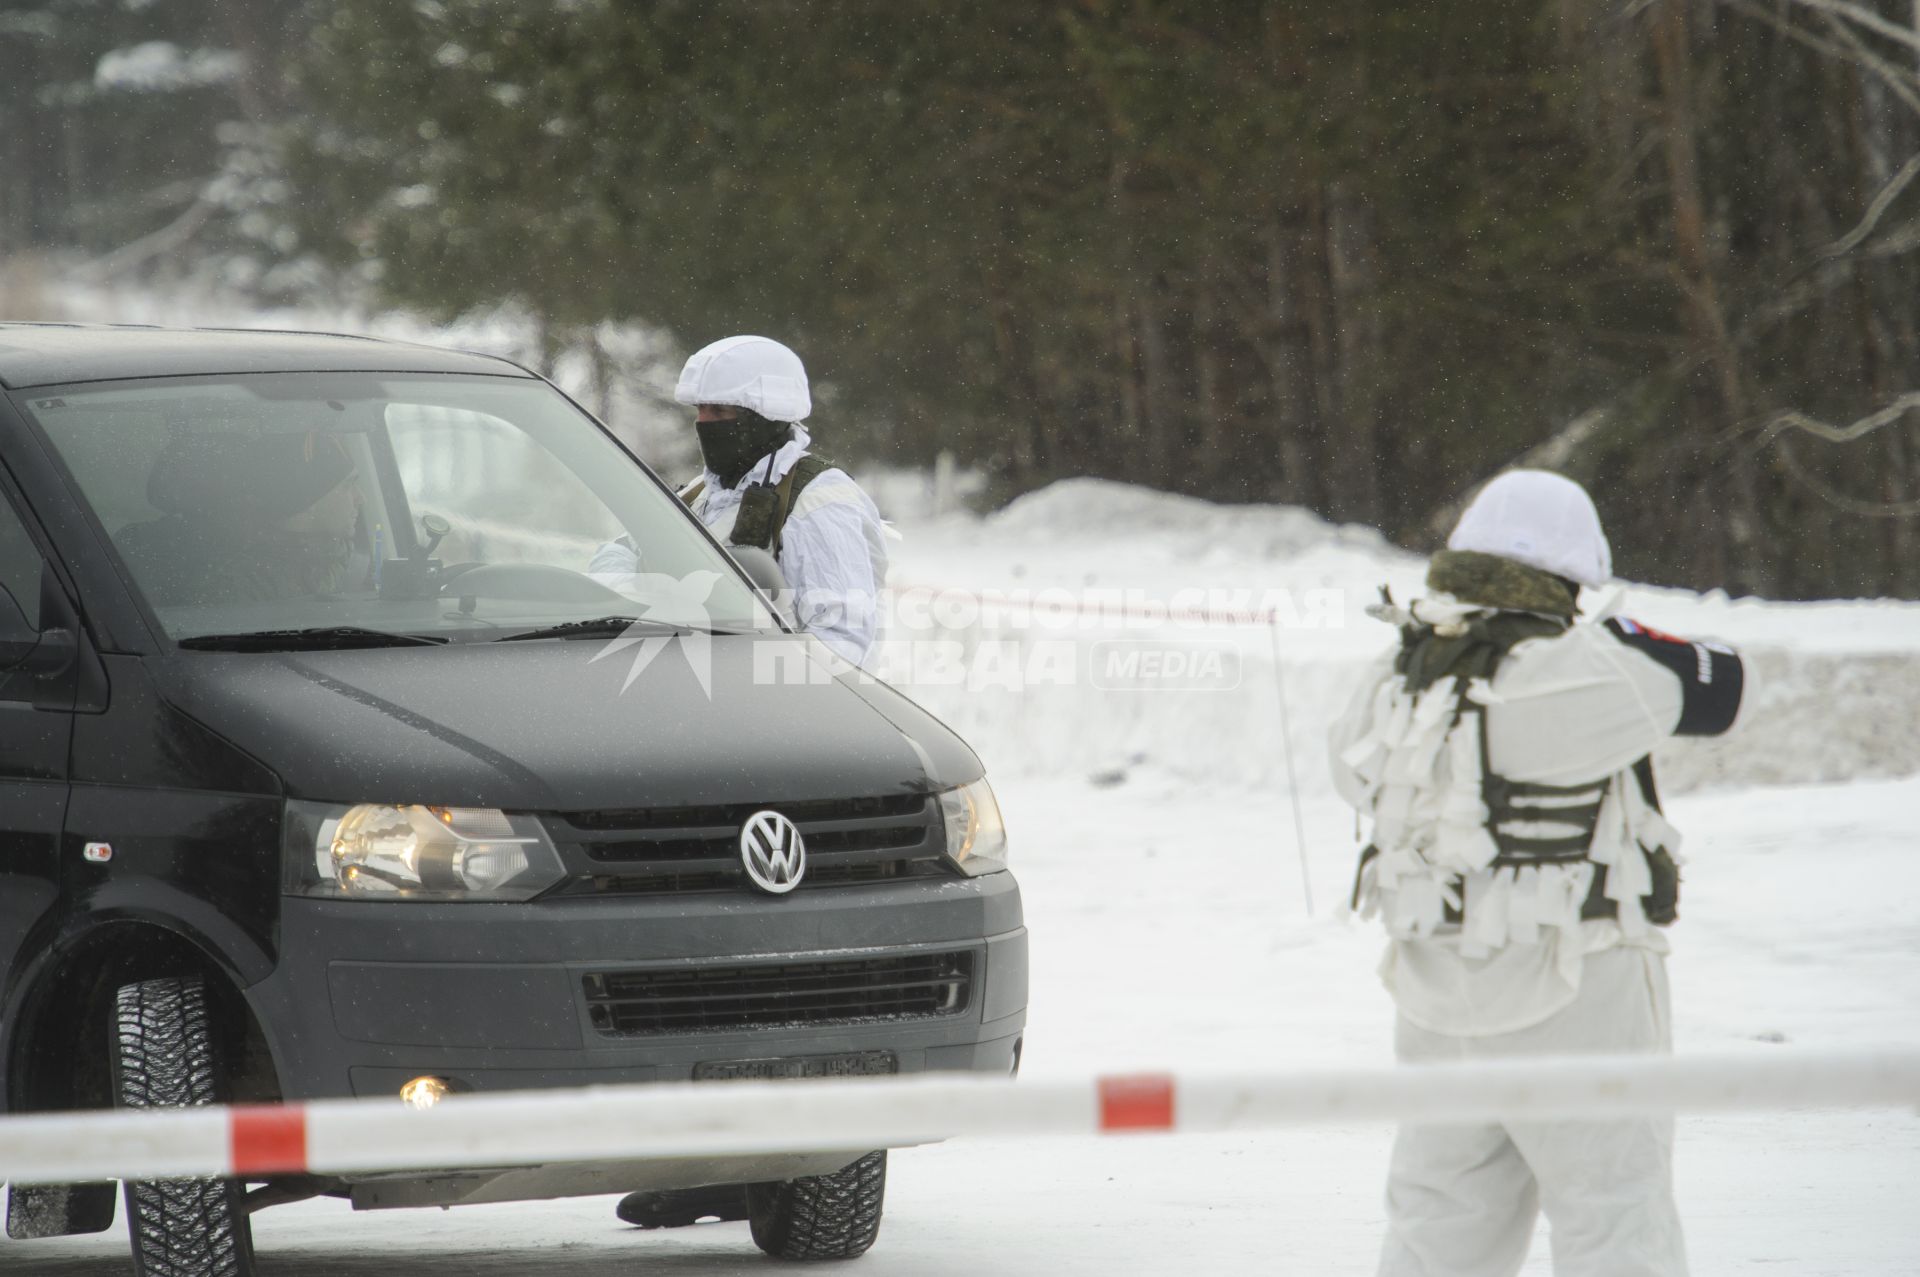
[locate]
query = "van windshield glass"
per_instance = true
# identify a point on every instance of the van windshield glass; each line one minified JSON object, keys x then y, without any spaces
{"x":463,"y":507}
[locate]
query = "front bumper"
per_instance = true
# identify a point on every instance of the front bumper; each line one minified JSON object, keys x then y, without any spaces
{"x":370,"y":994}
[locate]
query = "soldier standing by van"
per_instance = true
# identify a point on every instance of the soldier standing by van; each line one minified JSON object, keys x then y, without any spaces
{"x":1524,"y":873}
{"x":764,"y":487}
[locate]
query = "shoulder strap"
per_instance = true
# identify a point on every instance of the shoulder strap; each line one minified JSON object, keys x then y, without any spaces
{"x":804,"y":471}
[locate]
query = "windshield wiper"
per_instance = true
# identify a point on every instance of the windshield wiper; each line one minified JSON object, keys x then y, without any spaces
{"x":595,"y":627}
{"x":315,"y":639}
{"x":614,"y":626}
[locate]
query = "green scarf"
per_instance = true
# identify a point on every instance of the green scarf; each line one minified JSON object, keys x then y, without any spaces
{"x":1488,"y":580}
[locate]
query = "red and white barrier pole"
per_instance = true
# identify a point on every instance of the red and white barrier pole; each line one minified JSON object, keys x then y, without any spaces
{"x":718,"y":1119}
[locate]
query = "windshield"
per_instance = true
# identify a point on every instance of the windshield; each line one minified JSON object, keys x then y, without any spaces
{"x":459,"y":507}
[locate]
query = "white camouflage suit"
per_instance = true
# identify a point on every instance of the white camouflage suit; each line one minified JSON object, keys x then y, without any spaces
{"x":833,"y":551}
{"x":1521,"y":972}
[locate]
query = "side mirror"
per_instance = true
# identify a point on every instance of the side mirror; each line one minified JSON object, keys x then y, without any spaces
{"x":760,"y":567}
{"x":764,"y":572}
{"x":24,"y":649}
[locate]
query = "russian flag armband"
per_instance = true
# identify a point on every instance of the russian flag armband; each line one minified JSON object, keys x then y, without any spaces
{"x":1711,"y":675}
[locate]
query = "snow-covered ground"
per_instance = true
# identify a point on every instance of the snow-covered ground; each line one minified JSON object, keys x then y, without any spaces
{"x":1169,"y":930}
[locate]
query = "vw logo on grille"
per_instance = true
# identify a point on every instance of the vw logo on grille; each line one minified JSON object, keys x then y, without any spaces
{"x":773,"y":851}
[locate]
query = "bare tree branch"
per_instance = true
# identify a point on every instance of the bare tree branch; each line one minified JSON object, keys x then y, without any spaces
{"x":1781,"y":422}
{"x":1900,"y":80}
{"x":1564,"y":444}
{"x":1902,"y":239}
{"x":1804,"y":289}
{"x":1862,"y":16}
{"x":1904,"y":85}
{"x":1875,"y":210}
{"x":1817,"y":279}
{"x":1840,"y":500}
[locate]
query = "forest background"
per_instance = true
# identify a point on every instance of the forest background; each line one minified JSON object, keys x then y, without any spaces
{"x":1356,"y":257}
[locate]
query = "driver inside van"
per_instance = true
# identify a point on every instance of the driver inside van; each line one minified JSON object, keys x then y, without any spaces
{"x":246,"y":519}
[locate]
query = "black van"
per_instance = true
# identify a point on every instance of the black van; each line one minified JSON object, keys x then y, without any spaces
{"x":328,"y":768}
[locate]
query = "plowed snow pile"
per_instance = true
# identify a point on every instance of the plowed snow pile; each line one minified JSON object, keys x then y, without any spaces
{"x":1085,"y":562}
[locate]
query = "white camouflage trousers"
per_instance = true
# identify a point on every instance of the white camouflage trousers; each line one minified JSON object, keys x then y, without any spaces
{"x":1461,"y":1200}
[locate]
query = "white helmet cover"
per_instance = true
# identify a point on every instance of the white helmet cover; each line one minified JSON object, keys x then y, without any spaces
{"x":1543,"y":520}
{"x":756,"y":373}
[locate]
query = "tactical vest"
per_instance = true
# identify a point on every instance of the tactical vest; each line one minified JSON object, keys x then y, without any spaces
{"x":1530,"y":823}
{"x":764,"y":508}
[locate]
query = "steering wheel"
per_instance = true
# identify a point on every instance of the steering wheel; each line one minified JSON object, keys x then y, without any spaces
{"x":530,"y":582}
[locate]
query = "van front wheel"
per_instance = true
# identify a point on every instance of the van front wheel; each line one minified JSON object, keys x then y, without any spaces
{"x":833,"y":1216}
{"x":164,"y":1056}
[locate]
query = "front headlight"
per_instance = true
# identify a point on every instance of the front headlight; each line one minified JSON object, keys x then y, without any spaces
{"x":377,"y":852}
{"x":976,"y":837}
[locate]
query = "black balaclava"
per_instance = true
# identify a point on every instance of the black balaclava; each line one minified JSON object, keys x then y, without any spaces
{"x":730,"y":448}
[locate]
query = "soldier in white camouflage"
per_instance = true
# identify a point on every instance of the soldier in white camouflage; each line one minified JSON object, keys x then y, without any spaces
{"x":1525,"y":874}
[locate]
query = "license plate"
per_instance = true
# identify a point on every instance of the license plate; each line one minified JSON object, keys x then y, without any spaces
{"x":855,"y":1064}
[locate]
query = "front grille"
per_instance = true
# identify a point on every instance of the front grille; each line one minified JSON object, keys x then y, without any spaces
{"x":818,"y":875}
{"x":658,"y":850}
{"x":801,"y":811}
{"x":702,"y":848}
{"x":709,"y":999}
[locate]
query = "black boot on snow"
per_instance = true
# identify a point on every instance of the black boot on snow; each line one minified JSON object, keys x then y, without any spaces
{"x":679,"y":1207}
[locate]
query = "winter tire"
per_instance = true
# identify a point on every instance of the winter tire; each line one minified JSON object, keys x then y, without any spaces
{"x":833,"y":1216}
{"x":164,"y":1057}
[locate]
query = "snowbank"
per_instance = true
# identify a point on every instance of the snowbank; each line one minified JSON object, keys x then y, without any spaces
{"x":1837,"y":692}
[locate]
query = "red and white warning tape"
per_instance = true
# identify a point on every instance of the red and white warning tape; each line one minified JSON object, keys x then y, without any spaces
{"x":721,"y":1119}
{"x":1021,"y":607}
